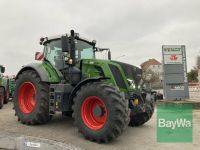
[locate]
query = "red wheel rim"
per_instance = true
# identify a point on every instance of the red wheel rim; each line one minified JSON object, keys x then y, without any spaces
{"x":90,"y":119}
{"x":26,"y":97}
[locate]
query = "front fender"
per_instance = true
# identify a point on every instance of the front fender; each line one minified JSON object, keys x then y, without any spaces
{"x":83,"y":82}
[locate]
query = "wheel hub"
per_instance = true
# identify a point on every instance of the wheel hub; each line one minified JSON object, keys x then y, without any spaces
{"x":94,"y":112}
{"x":98,"y":111}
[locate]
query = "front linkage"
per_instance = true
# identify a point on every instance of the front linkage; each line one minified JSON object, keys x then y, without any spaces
{"x":142,"y":104}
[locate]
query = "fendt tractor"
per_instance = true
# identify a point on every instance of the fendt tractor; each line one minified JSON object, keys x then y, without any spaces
{"x":4,"y":87}
{"x":11,"y":86}
{"x":103,"y":96}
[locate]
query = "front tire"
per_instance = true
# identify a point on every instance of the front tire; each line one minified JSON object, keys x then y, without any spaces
{"x":139,"y":119}
{"x":100,"y":112}
{"x":31,"y":99}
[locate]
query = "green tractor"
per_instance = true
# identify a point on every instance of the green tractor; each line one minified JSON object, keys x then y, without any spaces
{"x":4,"y":87}
{"x":103,"y":96}
{"x":11,"y":84}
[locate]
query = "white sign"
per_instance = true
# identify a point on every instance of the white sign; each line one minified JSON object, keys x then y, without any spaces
{"x":173,"y":59}
{"x":177,"y":87}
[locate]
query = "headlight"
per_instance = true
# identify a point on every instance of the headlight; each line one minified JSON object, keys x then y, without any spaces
{"x":131,"y":83}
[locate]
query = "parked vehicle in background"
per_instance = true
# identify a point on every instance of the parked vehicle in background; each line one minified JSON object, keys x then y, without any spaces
{"x":11,"y":86}
{"x":4,"y":87}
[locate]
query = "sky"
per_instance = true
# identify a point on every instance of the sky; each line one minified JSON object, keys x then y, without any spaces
{"x":134,"y":29}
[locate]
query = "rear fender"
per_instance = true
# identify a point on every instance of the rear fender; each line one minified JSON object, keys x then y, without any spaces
{"x":46,"y":73}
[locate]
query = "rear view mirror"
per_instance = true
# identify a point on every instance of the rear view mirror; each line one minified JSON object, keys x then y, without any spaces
{"x":2,"y":69}
{"x":65,"y":43}
{"x":109,"y":55}
{"x":39,"y":56}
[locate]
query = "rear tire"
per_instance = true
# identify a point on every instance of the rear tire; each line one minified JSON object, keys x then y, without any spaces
{"x":31,"y":99}
{"x":112,"y":115}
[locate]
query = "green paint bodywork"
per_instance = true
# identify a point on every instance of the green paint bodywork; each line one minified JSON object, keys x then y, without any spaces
{"x":11,"y":83}
{"x":53,"y":75}
{"x":89,"y":69}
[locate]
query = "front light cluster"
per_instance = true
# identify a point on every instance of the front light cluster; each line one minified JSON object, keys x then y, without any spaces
{"x":131,"y":83}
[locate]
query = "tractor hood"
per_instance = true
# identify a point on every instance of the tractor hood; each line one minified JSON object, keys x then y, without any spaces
{"x":131,"y":72}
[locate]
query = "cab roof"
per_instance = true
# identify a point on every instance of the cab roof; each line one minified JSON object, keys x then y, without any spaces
{"x":56,"y":37}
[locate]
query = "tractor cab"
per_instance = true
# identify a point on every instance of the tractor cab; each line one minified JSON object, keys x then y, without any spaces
{"x":67,"y":53}
{"x":62,"y":51}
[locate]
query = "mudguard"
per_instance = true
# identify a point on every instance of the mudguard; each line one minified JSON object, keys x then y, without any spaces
{"x":46,"y":73}
{"x":83,"y":82}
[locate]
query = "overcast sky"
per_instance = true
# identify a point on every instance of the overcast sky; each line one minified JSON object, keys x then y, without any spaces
{"x":134,"y":28}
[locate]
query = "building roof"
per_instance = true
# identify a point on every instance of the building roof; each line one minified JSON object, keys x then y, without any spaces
{"x":145,"y":65}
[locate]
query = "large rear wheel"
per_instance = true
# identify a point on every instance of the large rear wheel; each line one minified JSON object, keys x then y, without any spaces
{"x":31,"y":99}
{"x":100,"y":112}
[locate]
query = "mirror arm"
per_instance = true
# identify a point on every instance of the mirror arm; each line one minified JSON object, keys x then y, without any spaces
{"x":72,"y":48}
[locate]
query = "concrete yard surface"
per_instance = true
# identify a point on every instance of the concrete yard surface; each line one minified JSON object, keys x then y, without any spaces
{"x":61,"y":131}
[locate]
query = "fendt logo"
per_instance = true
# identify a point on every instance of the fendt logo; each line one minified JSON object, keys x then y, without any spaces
{"x":173,"y":57}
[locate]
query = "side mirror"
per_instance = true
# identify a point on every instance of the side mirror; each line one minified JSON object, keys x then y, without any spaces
{"x":65,"y":43}
{"x":2,"y":69}
{"x":39,"y":56}
{"x":109,"y":55}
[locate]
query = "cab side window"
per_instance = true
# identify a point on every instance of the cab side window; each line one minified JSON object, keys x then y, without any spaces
{"x":54,"y":53}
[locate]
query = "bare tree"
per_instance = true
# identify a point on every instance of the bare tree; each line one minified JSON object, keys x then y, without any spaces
{"x":150,"y":77}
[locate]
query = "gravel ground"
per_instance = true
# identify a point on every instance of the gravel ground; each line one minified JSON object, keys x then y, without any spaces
{"x":61,"y":129}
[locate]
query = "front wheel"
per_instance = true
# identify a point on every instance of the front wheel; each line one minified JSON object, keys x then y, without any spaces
{"x":100,"y":112}
{"x":138,"y":119}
